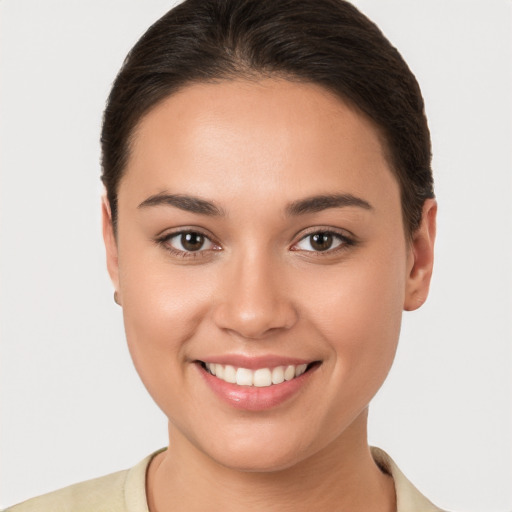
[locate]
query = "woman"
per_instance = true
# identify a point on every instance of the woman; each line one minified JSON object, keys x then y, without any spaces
{"x":269,"y":213}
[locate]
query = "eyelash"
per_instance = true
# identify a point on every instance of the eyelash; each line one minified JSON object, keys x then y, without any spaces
{"x":165,"y":240}
{"x":344,"y":243}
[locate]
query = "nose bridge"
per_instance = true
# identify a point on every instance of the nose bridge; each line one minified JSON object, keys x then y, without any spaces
{"x":254,"y":300}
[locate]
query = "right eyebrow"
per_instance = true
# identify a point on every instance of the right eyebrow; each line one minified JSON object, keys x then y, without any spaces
{"x":323,"y":202}
{"x":183,"y":202}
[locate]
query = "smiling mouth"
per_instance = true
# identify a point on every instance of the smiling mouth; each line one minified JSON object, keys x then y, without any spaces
{"x":261,"y":377}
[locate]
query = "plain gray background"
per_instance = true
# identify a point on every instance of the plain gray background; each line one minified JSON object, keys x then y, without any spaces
{"x":72,"y":405}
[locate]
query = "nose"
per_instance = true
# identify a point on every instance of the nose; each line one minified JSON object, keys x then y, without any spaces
{"x":254,"y":301}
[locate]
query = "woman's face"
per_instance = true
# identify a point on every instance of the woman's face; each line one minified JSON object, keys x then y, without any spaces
{"x":260,"y":228}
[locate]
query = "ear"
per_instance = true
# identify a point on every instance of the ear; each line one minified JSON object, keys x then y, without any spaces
{"x":421,"y":258}
{"x":110,"y":243}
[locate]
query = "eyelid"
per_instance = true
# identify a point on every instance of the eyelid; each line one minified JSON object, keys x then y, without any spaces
{"x":165,"y":236}
{"x":172,"y":231}
{"x":347,"y":239}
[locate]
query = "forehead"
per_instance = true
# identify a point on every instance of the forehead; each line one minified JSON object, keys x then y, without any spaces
{"x":265,"y":137}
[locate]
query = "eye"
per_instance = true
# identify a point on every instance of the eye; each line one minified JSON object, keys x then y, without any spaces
{"x":321,"y":241}
{"x":187,"y":242}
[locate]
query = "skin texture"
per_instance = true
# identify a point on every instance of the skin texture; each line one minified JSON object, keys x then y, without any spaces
{"x":259,"y":289}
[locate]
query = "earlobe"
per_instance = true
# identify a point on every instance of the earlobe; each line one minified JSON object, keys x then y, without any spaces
{"x":421,"y":258}
{"x":110,"y":243}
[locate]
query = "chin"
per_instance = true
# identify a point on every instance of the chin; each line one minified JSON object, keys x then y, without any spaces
{"x":260,"y":451}
{"x":258,"y":461}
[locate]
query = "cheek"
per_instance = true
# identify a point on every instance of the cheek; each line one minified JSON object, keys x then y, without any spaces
{"x":358,"y":309}
{"x":163,"y":306}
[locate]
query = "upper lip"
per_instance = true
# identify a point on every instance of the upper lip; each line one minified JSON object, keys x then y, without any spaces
{"x":255,"y":362}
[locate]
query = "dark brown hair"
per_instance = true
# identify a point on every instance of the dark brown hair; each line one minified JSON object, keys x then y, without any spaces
{"x":326,"y":42}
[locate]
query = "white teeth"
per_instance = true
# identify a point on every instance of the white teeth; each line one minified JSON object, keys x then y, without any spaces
{"x":244,"y":377}
{"x":219,"y":371}
{"x":278,"y":375}
{"x":262,"y":377}
{"x":299,"y":370}
{"x":289,"y":373}
{"x":230,"y":374}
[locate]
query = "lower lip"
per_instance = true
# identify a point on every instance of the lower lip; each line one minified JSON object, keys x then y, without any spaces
{"x":252,"y":398}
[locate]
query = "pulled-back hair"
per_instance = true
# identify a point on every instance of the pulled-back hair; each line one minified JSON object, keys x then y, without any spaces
{"x":325,"y":42}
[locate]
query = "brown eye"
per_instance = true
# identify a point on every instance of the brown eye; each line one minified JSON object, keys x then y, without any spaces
{"x":189,"y":241}
{"x":321,"y":241}
{"x":192,"y":241}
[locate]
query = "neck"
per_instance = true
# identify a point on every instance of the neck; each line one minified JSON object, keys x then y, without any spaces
{"x":341,"y":477}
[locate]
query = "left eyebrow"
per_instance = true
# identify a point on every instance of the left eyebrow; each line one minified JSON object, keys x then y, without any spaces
{"x":183,"y":202}
{"x":323,"y":202}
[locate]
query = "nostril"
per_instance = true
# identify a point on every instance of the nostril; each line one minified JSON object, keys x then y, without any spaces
{"x":254,"y":318}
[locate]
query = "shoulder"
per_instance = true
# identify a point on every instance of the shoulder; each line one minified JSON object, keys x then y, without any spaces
{"x":99,"y":494}
{"x":123,"y":491}
{"x":408,"y":497}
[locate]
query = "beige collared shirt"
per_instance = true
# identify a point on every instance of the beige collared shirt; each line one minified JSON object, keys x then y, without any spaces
{"x":125,"y":491}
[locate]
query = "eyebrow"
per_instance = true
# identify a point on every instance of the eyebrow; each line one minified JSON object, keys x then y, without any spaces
{"x":183,"y":202}
{"x":323,"y":202}
{"x":311,"y":204}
